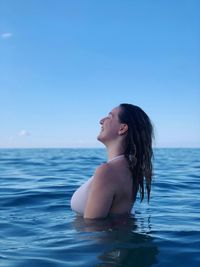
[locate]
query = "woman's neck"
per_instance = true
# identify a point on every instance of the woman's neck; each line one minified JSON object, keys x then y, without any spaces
{"x":114,"y":151}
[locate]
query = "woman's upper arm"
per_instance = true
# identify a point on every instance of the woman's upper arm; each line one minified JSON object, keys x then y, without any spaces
{"x":101,"y":194}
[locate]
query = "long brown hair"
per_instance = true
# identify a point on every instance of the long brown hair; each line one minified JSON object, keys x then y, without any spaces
{"x":138,"y":146}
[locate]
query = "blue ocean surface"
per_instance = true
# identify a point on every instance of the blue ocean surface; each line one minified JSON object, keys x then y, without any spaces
{"x":38,"y":227}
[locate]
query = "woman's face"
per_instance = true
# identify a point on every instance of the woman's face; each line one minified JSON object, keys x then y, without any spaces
{"x":110,"y":126}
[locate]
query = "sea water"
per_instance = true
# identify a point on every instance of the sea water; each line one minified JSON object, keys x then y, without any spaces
{"x":38,"y":227}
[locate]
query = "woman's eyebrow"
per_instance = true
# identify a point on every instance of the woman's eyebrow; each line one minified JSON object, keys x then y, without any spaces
{"x":110,"y":113}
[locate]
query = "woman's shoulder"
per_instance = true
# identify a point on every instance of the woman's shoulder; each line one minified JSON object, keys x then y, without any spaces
{"x":105,"y":172}
{"x":104,"y":168}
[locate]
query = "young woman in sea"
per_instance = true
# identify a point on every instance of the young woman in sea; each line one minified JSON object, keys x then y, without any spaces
{"x":127,"y":134}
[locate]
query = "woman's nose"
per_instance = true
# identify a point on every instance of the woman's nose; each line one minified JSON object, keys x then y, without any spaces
{"x":102,"y":120}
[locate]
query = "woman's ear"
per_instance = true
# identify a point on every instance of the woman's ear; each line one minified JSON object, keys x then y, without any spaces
{"x":123,"y":129}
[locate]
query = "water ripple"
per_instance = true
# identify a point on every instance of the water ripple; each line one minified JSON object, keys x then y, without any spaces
{"x":38,"y":228}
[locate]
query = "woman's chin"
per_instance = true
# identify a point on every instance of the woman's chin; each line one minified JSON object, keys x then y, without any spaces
{"x":100,"y":138}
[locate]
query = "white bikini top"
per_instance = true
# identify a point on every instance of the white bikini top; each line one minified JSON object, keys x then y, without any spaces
{"x":80,"y":196}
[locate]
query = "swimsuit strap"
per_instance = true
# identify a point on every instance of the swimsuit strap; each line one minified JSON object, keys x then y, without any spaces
{"x":120,"y":156}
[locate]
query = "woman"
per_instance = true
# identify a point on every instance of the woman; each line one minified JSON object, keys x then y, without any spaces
{"x":127,"y":134}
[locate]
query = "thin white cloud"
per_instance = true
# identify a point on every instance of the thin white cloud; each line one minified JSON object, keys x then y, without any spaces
{"x":6,"y":35}
{"x":23,"y":133}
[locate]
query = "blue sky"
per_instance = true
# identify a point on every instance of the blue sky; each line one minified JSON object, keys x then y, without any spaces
{"x":65,"y":64}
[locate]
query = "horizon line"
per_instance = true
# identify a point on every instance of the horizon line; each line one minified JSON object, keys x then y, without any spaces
{"x":159,"y":147}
